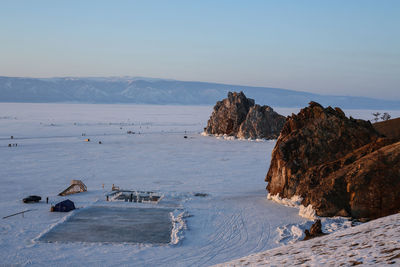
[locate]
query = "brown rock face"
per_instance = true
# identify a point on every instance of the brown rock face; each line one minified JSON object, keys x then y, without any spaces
{"x":238,"y":116}
{"x":261,"y":122}
{"x":389,"y":128}
{"x":338,"y":165}
{"x":315,"y":230}
{"x":372,"y":183}
{"x":228,"y":114}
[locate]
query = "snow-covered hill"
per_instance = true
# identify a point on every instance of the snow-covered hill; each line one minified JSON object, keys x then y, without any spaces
{"x":375,"y":243}
{"x":141,"y":90}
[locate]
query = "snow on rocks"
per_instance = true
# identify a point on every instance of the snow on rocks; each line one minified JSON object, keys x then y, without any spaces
{"x":375,"y":243}
{"x":295,"y":201}
{"x":291,"y":233}
{"x":307,"y":212}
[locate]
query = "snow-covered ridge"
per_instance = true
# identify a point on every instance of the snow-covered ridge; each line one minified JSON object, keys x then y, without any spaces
{"x":375,"y":243}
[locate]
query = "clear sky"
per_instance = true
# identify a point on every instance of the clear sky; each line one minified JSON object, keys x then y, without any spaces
{"x":331,"y":47}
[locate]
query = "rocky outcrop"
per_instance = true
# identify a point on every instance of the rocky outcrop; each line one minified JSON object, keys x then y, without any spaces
{"x":261,"y":122}
{"x":339,"y":165}
{"x":389,"y":128}
{"x":370,"y":185}
{"x":228,"y":114}
{"x":315,"y":230}
{"x":238,"y":116}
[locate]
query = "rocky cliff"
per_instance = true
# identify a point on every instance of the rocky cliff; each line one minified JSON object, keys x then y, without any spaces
{"x":238,"y":116}
{"x":389,"y":128}
{"x":261,"y":122}
{"x":339,"y":165}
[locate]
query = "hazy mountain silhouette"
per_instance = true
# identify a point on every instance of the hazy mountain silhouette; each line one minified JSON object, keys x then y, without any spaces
{"x":141,"y":90}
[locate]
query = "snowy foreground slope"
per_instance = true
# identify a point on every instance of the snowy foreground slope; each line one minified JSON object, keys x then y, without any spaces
{"x":375,"y":243}
{"x":234,"y":220}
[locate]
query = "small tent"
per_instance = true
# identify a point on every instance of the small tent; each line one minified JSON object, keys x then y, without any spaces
{"x":64,"y":206}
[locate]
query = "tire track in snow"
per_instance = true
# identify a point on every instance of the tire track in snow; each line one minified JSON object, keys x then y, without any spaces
{"x":237,"y":237}
{"x":226,"y":231}
{"x":233,"y":235}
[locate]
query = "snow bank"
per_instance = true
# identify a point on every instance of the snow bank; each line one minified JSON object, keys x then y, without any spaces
{"x":305,"y":212}
{"x":230,"y":137}
{"x":291,"y":233}
{"x":226,"y":137}
{"x":178,"y":225}
{"x":295,"y":201}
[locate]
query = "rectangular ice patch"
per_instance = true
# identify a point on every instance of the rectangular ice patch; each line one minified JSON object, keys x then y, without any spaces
{"x":111,"y":224}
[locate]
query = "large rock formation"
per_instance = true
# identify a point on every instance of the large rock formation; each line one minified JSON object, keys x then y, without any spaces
{"x":261,"y":122}
{"x":228,"y":114}
{"x":339,"y":165}
{"x":238,"y":116}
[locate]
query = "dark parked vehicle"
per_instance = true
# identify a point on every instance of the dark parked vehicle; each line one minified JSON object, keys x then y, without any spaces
{"x":31,"y":199}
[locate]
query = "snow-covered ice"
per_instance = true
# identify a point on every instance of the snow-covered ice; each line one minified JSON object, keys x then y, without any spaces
{"x":114,"y":225}
{"x":233,"y":220}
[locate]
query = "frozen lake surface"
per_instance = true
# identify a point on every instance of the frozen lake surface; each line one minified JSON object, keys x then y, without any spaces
{"x":112,"y":224}
{"x":234,"y":220}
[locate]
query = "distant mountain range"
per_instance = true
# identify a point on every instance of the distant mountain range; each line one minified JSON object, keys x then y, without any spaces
{"x":139,"y":90}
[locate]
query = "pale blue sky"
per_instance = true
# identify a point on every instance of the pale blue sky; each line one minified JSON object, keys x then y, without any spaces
{"x":330,"y":47}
